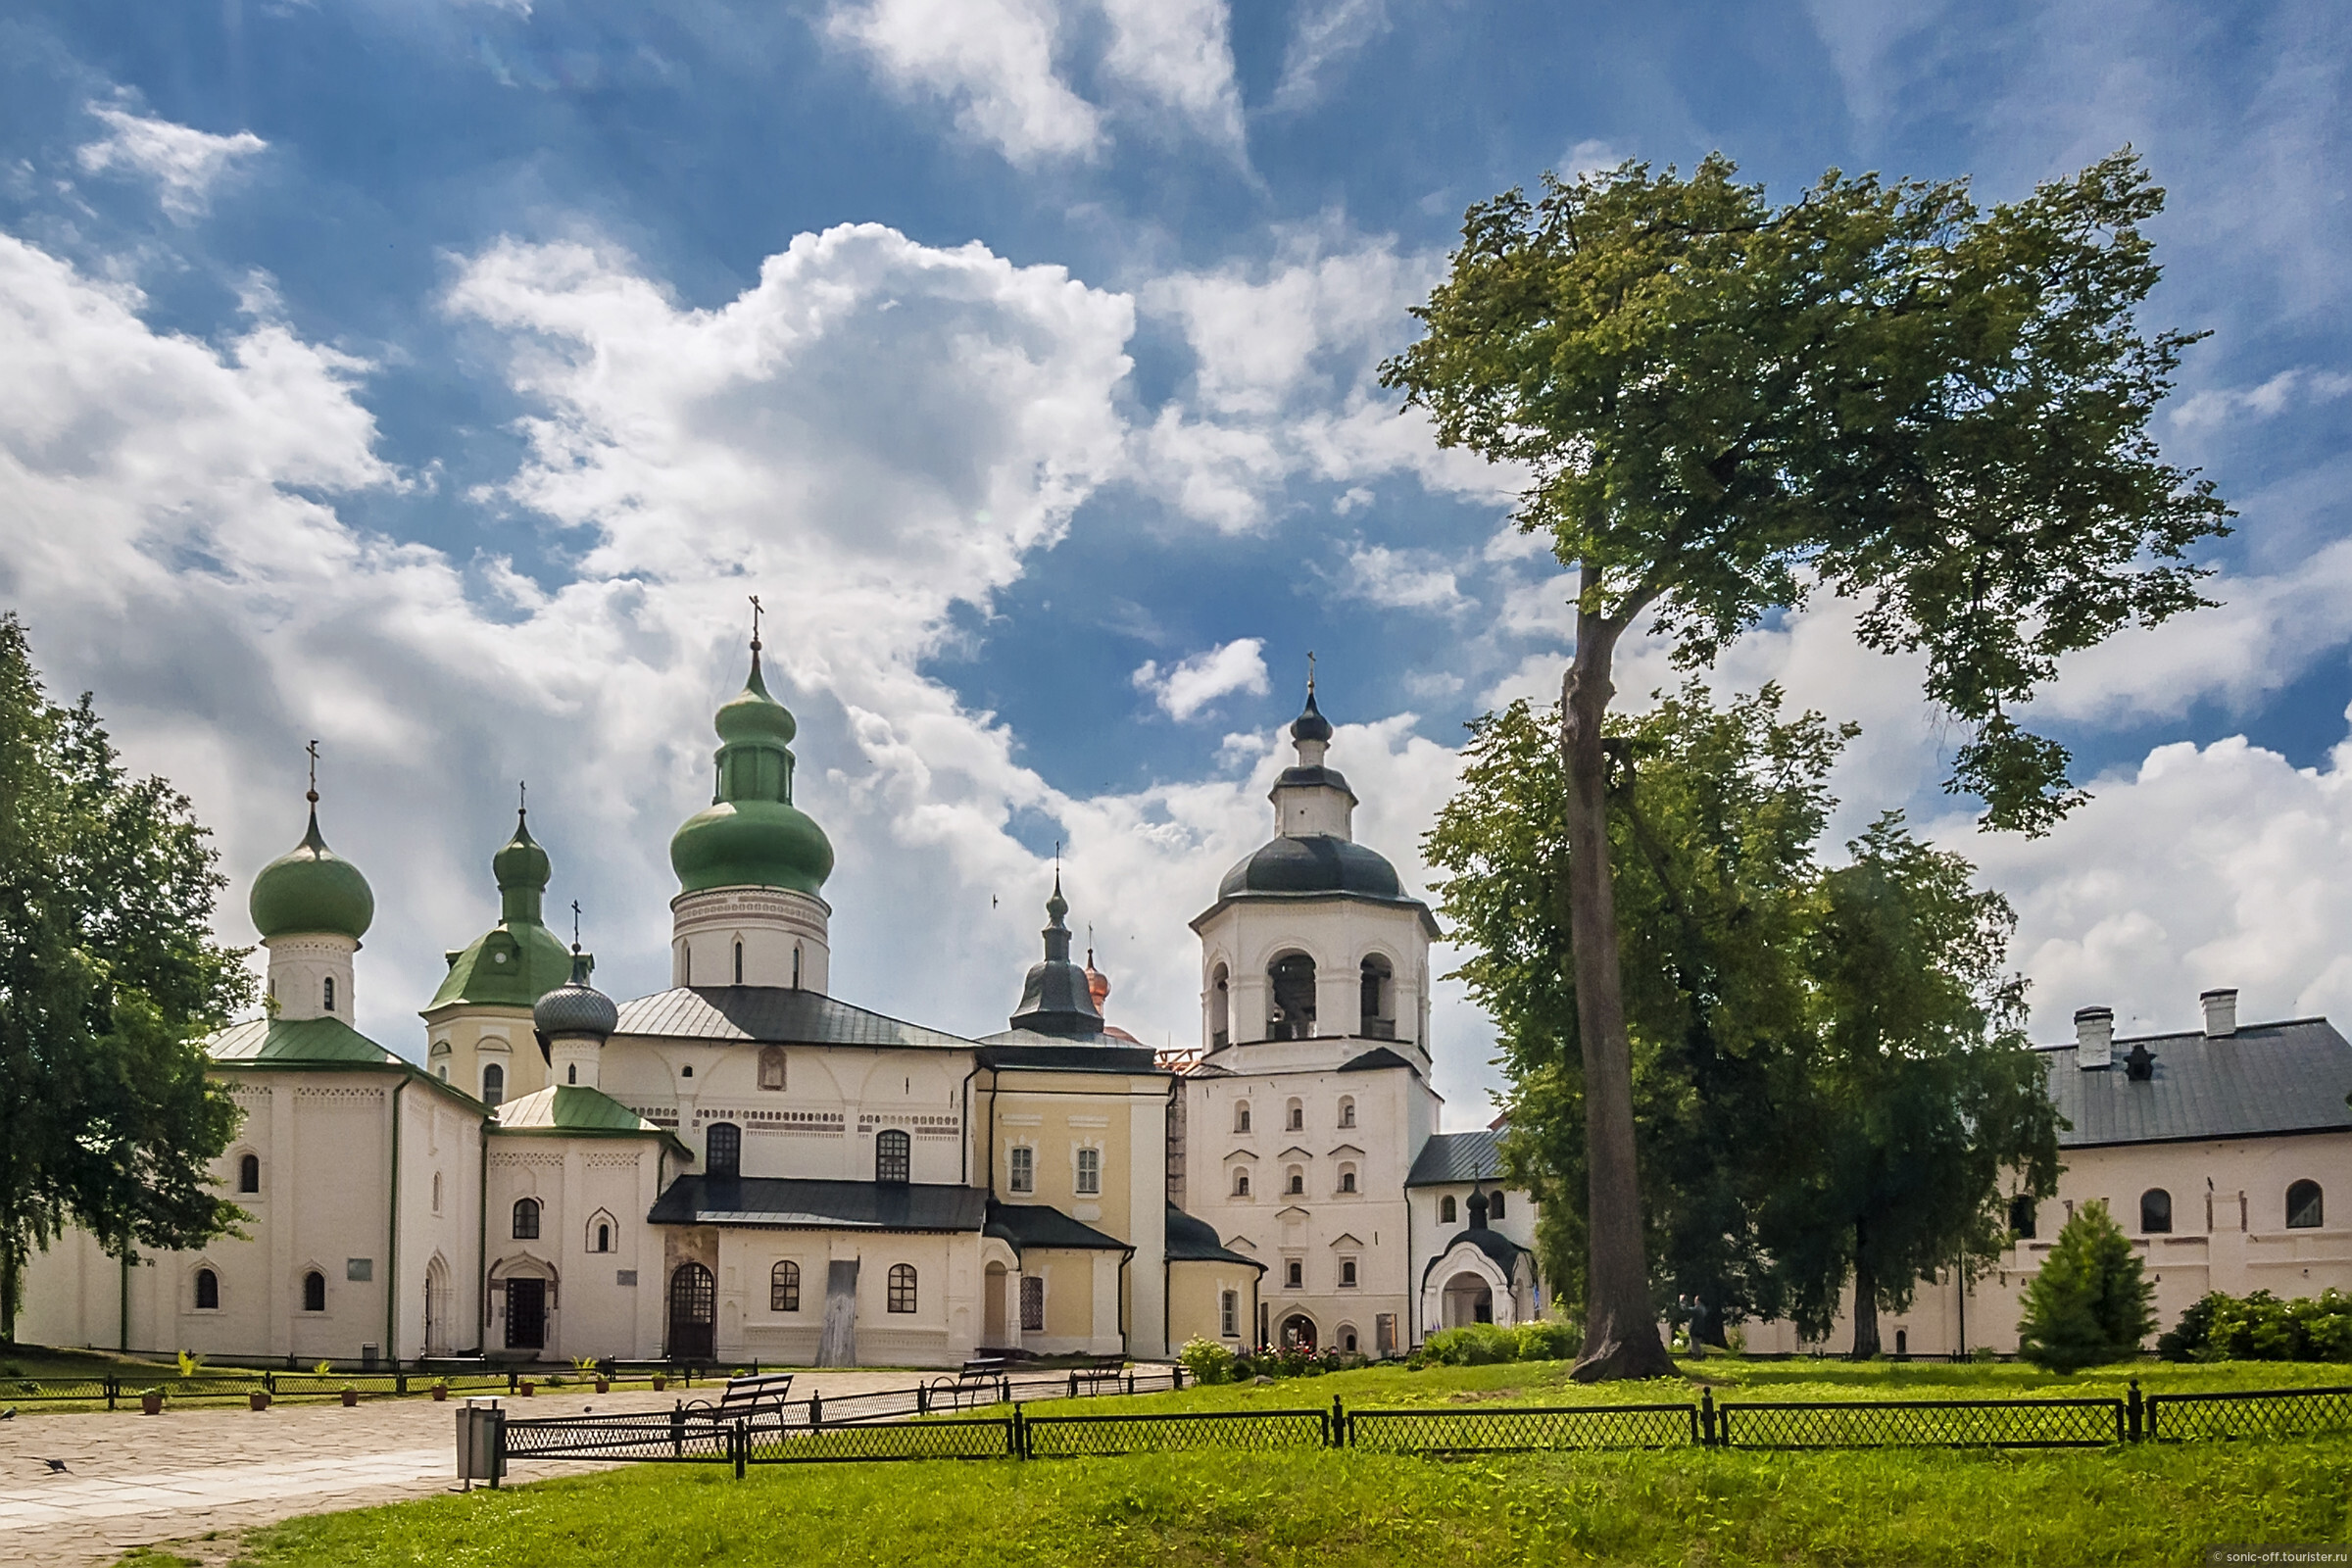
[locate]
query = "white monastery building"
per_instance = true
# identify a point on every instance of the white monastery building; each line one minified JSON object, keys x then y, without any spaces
{"x":746,"y":1167}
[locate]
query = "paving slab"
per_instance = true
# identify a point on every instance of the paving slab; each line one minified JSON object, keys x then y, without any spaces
{"x":196,"y":1471}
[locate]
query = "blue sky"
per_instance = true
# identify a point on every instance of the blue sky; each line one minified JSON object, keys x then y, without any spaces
{"x":437,"y":378}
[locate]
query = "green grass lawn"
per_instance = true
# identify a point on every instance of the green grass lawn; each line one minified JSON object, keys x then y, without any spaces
{"x":2147,"y":1503}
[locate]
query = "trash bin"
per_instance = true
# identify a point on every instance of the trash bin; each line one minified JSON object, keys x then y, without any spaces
{"x":366,"y":1357}
{"x":482,"y":1443}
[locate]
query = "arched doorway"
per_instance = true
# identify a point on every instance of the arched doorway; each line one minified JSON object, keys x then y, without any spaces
{"x":991,"y":1307}
{"x":692,"y":1303}
{"x":1469,"y":1298}
{"x":1299,"y":1333}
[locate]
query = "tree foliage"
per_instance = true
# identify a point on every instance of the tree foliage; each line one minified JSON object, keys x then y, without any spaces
{"x":1830,"y":1082}
{"x":109,"y":979}
{"x":1725,"y":405}
{"x":2091,"y":1303}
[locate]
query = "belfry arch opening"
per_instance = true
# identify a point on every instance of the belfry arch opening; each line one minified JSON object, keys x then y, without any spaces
{"x":1220,"y":1008}
{"x":1377,"y":998}
{"x":1290,"y":990}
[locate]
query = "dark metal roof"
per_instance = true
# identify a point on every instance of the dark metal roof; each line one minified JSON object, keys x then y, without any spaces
{"x":1449,"y":1157}
{"x":1375,"y":1060}
{"x":1317,"y":862}
{"x":773,"y":1016}
{"x":1497,"y":1245}
{"x":1027,"y":1225}
{"x":1195,"y":1241}
{"x":1020,"y":1048}
{"x":2265,"y":1080}
{"x":784,"y":1204}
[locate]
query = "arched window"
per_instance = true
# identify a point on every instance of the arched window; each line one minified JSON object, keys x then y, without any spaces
{"x":571,"y":1072}
{"x":604,"y":1236}
{"x":249,"y":1174}
{"x":1297,"y":1178}
{"x":1347,"y":1178}
{"x":1445,"y":1209}
{"x":1294,"y":1274}
{"x":796,"y":973}
{"x":1377,"y":998}
{"x":739,"y":964}
{"x":1294,"y":1116}
{"x":2156,"y":1210}
{"x":1346,"y":1111}
{"x":443,"y":1070}
{"x":722,"y":1150}
{"x":313,"y":1292}
{"x":784,"y":1286}
{"x":1240,"y":1184}
{"x":207,"y":1291}
{"x":1347,"y":1273}
{"x":1241,"y":1117}
{"x":527,"y":1219}
{"x":1291,"y":987}
{"x":1220,"y":1010}
{"x":1347,"y":1339}
{"x":1495,"y":1203}
{"x":894,"y":1161}
{"x":771,"y":1067}
{"x":330,"y":993}
{"x":901,"y":1285}
{"x":2304,"y":1207}
{"x":494,"y":1084}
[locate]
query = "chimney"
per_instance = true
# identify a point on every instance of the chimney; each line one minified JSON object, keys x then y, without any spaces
{"x":2094,"y":1036}
{"x":2221,"y":1014}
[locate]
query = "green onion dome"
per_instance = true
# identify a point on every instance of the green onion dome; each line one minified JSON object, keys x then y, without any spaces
{"x":312,"y":889}
{"x":752,"y":835}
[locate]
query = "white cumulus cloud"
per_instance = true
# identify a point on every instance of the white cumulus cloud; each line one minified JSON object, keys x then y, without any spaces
{"x":185,"y":161}
{"x":1186,"y":688}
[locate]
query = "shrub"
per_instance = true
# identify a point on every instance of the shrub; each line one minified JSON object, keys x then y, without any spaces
{"x":1471,"y":1345}
{"x":1207,"y":1360}
{"x":2262,"y":1328}
{"x":2089,"y":1304}
{"x":1546,"y":1339}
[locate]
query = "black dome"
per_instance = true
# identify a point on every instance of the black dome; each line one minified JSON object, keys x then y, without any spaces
{"x":1310,"y":726}
{"x":576,"y":1008}
{"x":1316,"y":864}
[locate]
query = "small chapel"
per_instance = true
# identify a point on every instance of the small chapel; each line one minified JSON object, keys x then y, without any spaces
{"x":724,"y":1170}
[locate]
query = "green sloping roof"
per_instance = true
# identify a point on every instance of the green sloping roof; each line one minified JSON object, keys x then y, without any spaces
{"x":512,"y":964}
{"x":572,"y":1108}
{"x":314,"y":1040}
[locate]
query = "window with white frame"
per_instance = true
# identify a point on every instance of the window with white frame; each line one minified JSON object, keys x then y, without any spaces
{"x":1090,"y":1170}
{"x":1024,"y":1168}
{"x":1294,"y":1274}
{"x":1241,"y":1116}
{"x":1296,"y":1180}
{"x":1241,"y":1181}
{"x":1346,"y":1111}
{"x":1346,"y":1273}
{"x":1229,"y":1314}
{"x":1347,"y":1178}
{"x":1033,"y":1304}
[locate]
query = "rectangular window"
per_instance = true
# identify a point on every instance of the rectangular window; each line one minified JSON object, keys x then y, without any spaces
{"x":1033,"y":1304}
{"x":1295,"y":1274}
{"x":1229,"y":1314}
{"x":1090,"y":1170}
{"x":1346,"y":1273}
{"x":362,"y":1269}
{"x":1024,"y":1169}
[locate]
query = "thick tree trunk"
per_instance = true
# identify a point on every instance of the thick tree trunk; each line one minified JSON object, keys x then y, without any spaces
{"x":1621,"y":1330}
{"x":1866,"y":1297}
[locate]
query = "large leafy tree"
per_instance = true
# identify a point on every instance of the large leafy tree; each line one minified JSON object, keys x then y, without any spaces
{"x":109,"y":979}
{"x":1726,"y":405}
{"x":1927,"y":1097}
{"x":1713,"y":811}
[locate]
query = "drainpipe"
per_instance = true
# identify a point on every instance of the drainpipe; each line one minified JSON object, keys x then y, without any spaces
{"x":481,"y":1245}
{"x":1413,"y":1292}
{"x":967,"y":1151}
{"x":123,"y":1310}
{"x":392,"y":1250}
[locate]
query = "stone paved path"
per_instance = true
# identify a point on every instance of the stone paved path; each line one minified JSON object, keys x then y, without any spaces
{"x":132,"y":1481}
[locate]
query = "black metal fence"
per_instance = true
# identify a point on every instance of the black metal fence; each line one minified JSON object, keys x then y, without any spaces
{"x":915,"y":1424}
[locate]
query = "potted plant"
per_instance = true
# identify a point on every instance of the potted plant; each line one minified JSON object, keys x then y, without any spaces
{"x":151,"y":1402}
{"x":351,"y":1394}
{"x":259,"y":1398}
{"x":660,"y":1382}
{"x":588,"y":1368}
{"x":440,"y":1391}
{"x":527,"y":1388}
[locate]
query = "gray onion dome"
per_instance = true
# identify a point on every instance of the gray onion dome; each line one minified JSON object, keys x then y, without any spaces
{"x":576,"y":1008}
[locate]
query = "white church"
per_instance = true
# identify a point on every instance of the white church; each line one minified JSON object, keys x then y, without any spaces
{"x":745,"y":1166}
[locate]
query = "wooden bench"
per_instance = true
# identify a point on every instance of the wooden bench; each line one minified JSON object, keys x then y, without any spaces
{"x":1097,"y":1368}
{"x":982,"y":1367}
{"x":752,"y":1397}
{"x":979,"y":1380}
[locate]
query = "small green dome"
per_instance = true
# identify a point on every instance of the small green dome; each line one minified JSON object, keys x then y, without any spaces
{"x":521,"y":865}
{"x":312,"y":889}
{"x":752,"y":835}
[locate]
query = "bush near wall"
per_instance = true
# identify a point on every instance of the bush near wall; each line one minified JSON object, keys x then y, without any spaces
{"x":1485,"y":1345}
{"x":2262,"y":1328}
